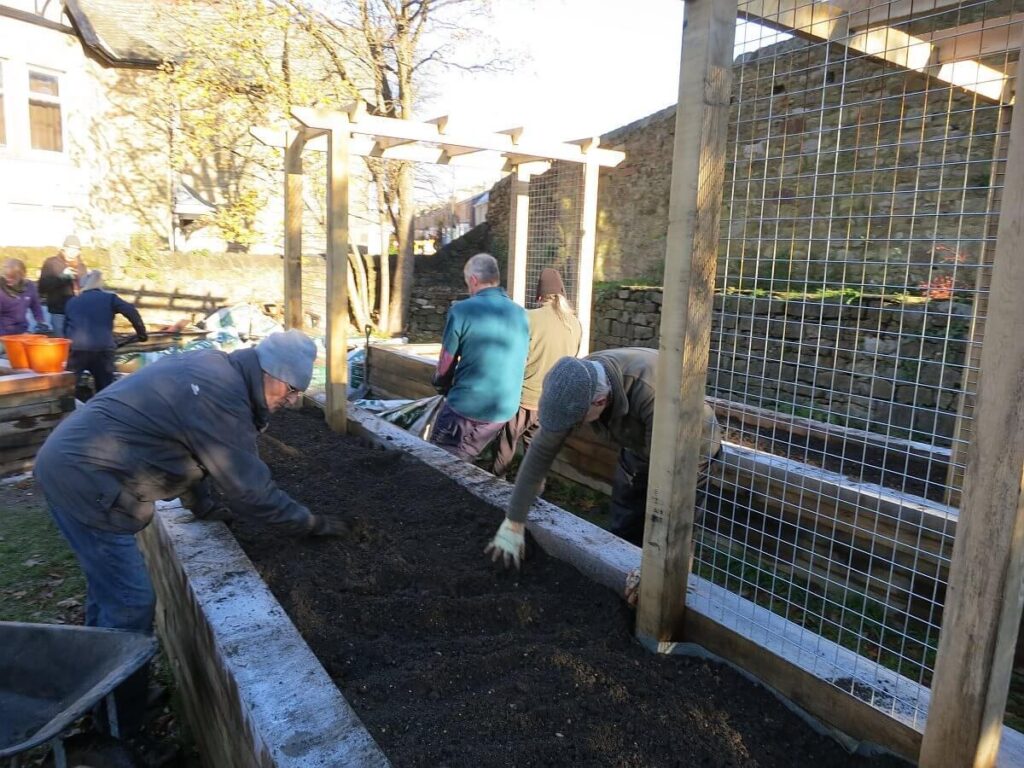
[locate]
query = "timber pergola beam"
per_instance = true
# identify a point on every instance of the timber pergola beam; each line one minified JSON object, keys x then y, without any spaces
{"x":866,"y":27}
{"x":352,"y":131}
{"x":438,"y":134}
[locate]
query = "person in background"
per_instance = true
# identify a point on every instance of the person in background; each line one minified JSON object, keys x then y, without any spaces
{"x":18,"y":297}
{"x":613,"y":391}
{"x":555,"y":333}
{"x":162,"y":433}
{"x":89,"y":323}
{"x":59,"y":279}
{"x":480,"y":370}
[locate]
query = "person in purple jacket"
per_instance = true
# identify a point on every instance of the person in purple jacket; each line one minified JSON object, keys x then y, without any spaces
{"x":17,"y":297}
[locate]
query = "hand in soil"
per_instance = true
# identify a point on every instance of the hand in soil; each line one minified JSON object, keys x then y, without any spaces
{"x":509,"y":544}
{"x":328,"y":526}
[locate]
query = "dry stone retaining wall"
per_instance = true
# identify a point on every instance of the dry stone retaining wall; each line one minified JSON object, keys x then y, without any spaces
{"x":867,"y":364}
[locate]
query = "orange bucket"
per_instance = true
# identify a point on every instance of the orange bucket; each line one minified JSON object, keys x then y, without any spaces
{"x":15,"y":346}
{"x":47,"y":355}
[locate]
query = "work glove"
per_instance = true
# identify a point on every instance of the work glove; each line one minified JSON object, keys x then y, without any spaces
{"x":142,"y":337}
{"x":328,"y":526}
{"x":632,"y":590}
{"x":509,"y":543}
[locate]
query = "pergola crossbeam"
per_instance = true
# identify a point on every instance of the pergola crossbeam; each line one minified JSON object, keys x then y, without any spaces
{"x":436,"y":133}
{"x":844,"y":22}
{"x":989,"y":37}
{"x":352,"y":131}
{"x":866,"y":13}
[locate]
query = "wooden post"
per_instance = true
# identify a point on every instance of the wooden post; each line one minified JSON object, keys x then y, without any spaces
{"x":519,"y":228}
{"x":293,"y":230}
{"x":698,"y":171}
{"x":588,"y":240}
{"x":969,"y":382}
{"x":986,"y":575}
{"x":337,"y":275}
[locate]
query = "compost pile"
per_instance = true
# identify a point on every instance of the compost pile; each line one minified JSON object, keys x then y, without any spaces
{"x":449,"y":661}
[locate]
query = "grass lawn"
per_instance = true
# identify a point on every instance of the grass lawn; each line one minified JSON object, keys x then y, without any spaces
{"x":39,"y":576}
{"x":40,"y":582}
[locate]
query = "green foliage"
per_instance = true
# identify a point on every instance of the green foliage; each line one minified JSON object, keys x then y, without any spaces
{"x":243,"y":66}
{"x":607,"y":288}
{"x":237,"y":218}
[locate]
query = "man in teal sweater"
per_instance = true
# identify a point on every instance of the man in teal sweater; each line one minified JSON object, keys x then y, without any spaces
{"x":483,"y":356}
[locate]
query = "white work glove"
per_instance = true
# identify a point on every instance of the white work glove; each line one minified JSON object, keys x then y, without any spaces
{"x":509,"y":543}
{"x":632,"y":591}
{"x":69,"y":272}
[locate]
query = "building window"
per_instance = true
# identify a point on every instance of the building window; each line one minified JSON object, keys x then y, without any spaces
{"x":44,"y":112}
{"x":3,"y":120}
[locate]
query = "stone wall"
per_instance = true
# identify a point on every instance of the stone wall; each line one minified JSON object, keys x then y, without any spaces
{"x":872,"y":365}
{"x":168,"y":287}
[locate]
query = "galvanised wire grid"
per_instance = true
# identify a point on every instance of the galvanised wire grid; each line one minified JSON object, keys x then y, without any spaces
{"x":857,"y":232}
{"x":553,"y":239}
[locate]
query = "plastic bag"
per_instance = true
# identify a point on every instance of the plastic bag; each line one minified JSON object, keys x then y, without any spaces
{"x":357,"y":386}
{"x":247,"y":320}
{"x":415,"y":416}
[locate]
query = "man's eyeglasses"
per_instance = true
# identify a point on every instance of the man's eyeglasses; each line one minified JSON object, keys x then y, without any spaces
{"x":292,"y":391}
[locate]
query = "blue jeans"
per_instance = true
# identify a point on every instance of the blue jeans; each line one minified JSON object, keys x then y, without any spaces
{"x":57,"y":324}
{"x":119,"y":594}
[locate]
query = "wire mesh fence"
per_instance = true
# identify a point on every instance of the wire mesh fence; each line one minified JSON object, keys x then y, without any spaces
{"x":553,"y":239}
{"x":856,"y":240}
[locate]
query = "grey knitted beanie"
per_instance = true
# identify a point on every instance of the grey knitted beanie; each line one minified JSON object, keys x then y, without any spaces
{"x":288,"y":356}
{"x":568,"y":391}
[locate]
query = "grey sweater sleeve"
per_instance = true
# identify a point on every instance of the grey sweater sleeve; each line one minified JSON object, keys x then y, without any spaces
{"x":224,"y":440}
{"x":533,"y":471}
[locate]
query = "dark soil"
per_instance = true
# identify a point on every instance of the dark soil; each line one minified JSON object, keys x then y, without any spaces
{"x":449,"y":661}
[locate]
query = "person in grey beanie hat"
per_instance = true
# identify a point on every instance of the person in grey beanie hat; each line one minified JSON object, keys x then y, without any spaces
{"x":176,"y":429}
{"x":613,"y":391}
{"x":289,"y":357}
{"x":569,"y":389}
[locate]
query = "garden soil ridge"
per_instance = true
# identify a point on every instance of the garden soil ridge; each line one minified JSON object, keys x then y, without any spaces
{"x":450,"y":661}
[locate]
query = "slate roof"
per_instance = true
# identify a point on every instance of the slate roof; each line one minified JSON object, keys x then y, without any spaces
{"x":129,"y":33}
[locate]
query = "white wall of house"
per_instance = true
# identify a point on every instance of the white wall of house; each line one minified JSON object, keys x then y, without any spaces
{"x":109,"y":179}
{"x":41,"y":190}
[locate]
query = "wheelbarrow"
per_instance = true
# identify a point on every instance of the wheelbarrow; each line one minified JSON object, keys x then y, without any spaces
{"x":52,"y":674}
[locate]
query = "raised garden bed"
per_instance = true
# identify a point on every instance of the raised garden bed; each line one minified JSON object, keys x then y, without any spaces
{"x":448,"y":661}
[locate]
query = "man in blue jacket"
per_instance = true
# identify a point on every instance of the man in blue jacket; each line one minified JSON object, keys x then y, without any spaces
{"x":161,"y":433}
{"x":483,"y":356}
{"x":89,"y":323}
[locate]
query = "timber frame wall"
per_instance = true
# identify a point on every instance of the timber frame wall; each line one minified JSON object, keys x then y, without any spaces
{"x":986,"y":584}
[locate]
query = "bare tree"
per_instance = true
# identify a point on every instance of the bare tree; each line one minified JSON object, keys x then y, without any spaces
{"x":389,"y":47}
